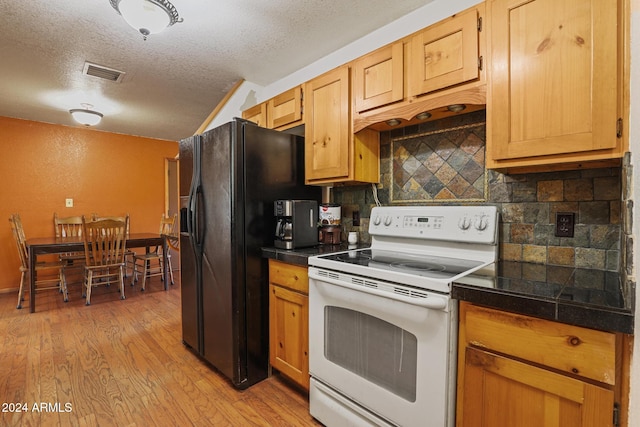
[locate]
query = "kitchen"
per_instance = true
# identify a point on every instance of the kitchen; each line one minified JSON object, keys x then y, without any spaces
{"x":539,"y":188}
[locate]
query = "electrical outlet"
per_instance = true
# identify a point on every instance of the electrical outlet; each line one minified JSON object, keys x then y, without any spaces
{"x":68,"y":203}
{"x":565,"y":224}
{"x":356,"y":218}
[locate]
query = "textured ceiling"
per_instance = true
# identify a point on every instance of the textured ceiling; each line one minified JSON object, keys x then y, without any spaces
{"x":175,"y":78}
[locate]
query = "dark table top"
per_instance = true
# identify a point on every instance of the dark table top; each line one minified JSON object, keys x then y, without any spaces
{"x":576,"y":296}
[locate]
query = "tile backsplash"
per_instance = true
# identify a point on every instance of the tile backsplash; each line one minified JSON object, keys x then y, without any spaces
{"x":442,"y":162}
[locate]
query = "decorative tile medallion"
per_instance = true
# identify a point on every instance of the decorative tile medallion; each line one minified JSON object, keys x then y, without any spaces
{"x":440,"y":166}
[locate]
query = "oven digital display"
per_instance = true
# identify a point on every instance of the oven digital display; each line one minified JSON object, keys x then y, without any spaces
{"x":423,"y":222}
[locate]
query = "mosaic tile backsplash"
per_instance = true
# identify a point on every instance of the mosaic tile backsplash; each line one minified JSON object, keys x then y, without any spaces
{"x":439,"y":166}
{"x":427,"y":164}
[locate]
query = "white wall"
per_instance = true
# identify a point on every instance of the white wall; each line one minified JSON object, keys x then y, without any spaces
{"x":249,"y":94}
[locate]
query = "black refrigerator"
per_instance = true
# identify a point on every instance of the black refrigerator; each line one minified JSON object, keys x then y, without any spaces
{"x":229,"y":178}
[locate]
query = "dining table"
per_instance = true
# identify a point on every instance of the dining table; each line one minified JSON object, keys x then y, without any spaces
{"x":56,"y":245}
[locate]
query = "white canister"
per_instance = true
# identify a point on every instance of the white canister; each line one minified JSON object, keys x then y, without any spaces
{"x":329,"y":214}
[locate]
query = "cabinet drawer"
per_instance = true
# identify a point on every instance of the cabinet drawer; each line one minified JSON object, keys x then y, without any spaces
{"x":580,"y":351}
{"x":288,"y":275}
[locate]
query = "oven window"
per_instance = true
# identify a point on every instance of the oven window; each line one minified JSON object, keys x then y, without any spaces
{"x":373,"y":349}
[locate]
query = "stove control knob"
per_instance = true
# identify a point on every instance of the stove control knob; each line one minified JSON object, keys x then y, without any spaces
{"x":376,"y":220}
{"x":464,"y":223}
{"x":481,"y":223}
{"x":387,"y":220}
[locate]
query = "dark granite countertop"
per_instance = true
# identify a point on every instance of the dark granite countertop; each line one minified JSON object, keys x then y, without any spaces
{"x":299,"y":256}
{"x":576,"y":296}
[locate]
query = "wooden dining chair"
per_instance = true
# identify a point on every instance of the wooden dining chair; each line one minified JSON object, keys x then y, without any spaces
{"x":55,"y":270}
{"x":70,"y":226}
{"x":104,"y":247}
{"x":145,"y":262}
{"x":129,"y":254}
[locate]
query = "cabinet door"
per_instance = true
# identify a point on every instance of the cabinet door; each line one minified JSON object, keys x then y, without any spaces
{"x":285,"y":109}
{"x":289,"y":333}
{"x":256,"y":114}
{"x":554,"y":84}
{"x":445,"y":54}
{"x":327,"y":126}
{"x":378,"y":77}
{"x":499,"y":391}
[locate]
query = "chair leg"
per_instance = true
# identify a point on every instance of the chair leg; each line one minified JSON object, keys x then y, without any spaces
{"x":89,"y":284}
{"x":170,"y":271}
{"x":63,"y":286}
{"x":145,"y":268}
{"x":134,"y":272}
{"x":21,"y":289}
{"x":121,"y":277}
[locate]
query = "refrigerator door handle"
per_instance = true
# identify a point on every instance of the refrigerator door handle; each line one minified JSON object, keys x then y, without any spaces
{"x":198,"y":223}
{"x":194,"y":196}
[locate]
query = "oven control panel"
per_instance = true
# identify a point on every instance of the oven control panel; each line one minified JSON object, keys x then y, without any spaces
{"x":453,"y":223}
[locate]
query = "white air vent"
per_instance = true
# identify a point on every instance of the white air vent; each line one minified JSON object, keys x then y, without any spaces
{"x":103,"y":72}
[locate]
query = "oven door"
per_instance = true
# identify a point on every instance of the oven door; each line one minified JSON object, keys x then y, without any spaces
{"x":386,"y":348}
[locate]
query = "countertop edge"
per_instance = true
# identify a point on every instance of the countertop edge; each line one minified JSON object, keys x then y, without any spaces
{"x":592,"y":317}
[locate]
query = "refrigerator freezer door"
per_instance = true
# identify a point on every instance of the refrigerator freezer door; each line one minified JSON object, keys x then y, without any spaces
{"x":189,"y":276}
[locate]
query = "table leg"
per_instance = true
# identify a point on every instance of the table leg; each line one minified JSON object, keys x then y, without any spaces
{"x":32,"y":280}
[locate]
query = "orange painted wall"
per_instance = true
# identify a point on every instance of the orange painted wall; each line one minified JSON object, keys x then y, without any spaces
{"x":43,"y":164}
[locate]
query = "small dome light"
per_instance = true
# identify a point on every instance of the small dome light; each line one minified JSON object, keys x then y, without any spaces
{"x":456,"y":108}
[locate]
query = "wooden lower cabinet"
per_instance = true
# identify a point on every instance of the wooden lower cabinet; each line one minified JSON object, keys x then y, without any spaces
{"x":500,"y":391}
{"x":289,"y":321}
{"x":515,"y":370}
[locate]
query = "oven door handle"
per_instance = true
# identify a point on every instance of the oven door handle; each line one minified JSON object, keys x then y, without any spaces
{"x":432,"y":301}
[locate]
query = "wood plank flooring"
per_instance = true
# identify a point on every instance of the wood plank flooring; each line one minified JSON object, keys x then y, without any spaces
{"x":122,"y":363}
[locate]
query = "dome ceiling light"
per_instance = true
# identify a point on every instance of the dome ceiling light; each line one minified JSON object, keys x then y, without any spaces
{"x":393,"y":122}
{"x":147,"y":16}
{"x":85,"y":115}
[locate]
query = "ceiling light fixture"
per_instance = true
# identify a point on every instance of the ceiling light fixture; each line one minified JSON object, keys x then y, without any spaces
{"x":147,"y":16}
{"x":85,"y":115}
{"x":393,"y":122}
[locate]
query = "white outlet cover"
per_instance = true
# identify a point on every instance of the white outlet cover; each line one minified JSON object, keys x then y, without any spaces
{"x":68,"y":203}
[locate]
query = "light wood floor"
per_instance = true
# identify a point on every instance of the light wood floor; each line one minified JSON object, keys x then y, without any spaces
{"x":122,"y":363}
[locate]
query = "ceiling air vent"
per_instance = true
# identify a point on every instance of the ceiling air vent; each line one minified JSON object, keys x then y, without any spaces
{"x":103,"y":72}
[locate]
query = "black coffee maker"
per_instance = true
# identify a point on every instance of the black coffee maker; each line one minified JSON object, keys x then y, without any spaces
{"x":296,"y":223}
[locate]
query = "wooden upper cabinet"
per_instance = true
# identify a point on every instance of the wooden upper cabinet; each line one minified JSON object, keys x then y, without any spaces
{"x":285,"y":110}
{"x":256,"y":114}
{"x":327,"y":127}
{"x":426,"y":71}
{"x":378,"y":77}
{"x":555,"y":92}
{"x":445,"y":54}
{"x":333,"y":152}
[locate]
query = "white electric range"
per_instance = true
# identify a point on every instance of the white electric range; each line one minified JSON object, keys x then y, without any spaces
{"x":382,"y":325}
